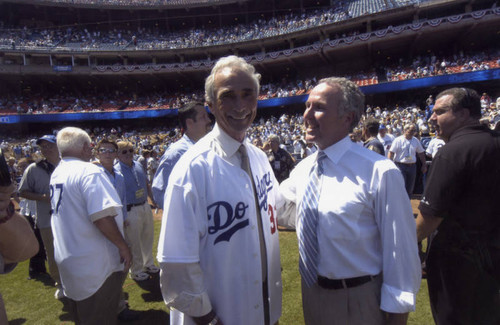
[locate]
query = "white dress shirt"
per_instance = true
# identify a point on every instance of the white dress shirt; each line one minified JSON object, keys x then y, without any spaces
{"x":405,"y":150}
{"x":366,"y":223}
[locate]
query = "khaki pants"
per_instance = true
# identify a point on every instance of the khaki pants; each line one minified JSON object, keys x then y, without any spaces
{"x":48,"y":242}
{"x":139,"y":234}
{"x":354,"y":306}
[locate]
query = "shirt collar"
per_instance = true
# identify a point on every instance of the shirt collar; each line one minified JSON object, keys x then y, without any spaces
{"x":337,"y":150}
{"x":228,"y":145}
{"x":188,"y":139}
{"x":467,"y":129}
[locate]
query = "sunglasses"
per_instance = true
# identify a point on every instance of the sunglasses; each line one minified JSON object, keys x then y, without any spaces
{"x":104,"y":150}
{"x":124,"y":152}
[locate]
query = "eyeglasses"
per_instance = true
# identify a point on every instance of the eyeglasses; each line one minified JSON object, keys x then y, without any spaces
{"x":104,"y":150}
{"x":124,"y":152}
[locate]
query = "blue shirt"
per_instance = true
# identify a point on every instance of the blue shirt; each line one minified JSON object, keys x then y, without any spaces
{"x":167,"y":163}
{"x":135,"y":182}
{"x":118,"y":182}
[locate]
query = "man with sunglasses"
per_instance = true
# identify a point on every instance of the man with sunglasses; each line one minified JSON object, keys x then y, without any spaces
{"x":139,"y":232}
{"x":195,"y":122}
{"x":107,"y":152}
{"x":460,"y":201}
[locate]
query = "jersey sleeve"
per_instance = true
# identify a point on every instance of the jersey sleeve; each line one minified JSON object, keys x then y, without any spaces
{"x":101,"y":197}
{"x":183,"y":222}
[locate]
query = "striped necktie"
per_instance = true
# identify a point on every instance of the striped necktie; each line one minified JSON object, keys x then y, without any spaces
{"x":308,"y":222}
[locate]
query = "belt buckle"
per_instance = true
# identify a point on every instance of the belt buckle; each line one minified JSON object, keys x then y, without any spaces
{"x":344,"y":284}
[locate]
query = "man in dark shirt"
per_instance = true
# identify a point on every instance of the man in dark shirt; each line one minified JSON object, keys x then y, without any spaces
{"x":370,"y":132}
{"x":281,"y":161}
{"x":460,"y":201}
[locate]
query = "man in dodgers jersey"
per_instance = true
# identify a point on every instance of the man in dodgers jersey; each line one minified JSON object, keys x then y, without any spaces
{"x":218,"y":252}
{"x":88,"y":232}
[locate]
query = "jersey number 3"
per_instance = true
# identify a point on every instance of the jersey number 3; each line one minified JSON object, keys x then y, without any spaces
{"x":56,"y":192}
{"x":272,"y":219}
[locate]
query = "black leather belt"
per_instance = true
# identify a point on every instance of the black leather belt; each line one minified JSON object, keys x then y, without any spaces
{"x":130,"y":206}
{"x":326,"y":283}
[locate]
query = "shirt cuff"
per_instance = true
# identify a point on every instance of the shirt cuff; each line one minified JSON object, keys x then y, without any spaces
{"x":397,"y":301}
{"x":192,"y":305}
{"x":183,"y":289}
{"x":107,"y":212}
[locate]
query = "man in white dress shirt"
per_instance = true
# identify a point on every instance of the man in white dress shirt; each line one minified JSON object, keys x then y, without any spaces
{"x":219,"y":245}
{"x":367,"y":269}
{"x":404,"y":152}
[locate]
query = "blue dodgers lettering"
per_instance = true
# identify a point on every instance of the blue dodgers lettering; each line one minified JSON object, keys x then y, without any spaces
{"x":263,"y":186}
{"x":224,"y":216}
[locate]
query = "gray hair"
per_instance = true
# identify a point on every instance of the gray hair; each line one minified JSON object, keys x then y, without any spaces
{"x":353,"y":100}
{"x":273,"y":137}
{"x":71,"y":140}
{"x":234,"y":62}
{"x":408,"y":126}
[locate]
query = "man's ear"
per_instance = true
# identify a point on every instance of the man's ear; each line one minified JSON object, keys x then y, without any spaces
{"x":349,"y":118}
{"x":189,"y":123}
{"x":464,"y":114}
{"x":210,"y":107}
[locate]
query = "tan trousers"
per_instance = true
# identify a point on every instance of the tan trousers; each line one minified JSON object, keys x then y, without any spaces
{"x":48,"y":242}
{"x":139,"y":234}
{"x":354,"y":306}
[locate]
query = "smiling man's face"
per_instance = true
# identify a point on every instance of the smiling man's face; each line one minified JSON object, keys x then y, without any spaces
{"x":235,"y":104}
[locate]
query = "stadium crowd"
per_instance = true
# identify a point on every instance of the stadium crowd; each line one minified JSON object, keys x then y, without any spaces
{"x":422,"y":66}
{"x":93,"y":37}
{"x":289,"y":128}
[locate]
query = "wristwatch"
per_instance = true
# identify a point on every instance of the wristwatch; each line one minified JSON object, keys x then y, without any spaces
{"x":10,"y":212}
{"x":214,"y":321}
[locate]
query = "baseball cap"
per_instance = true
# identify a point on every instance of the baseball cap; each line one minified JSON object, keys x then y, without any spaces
{"x":381,"y":127}
{"x":48,"y":137}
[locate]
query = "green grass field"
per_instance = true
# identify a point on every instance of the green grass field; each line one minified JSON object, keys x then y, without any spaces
{"x":33,"y":302}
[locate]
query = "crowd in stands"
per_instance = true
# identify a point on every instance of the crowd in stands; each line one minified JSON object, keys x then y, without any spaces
{"x":424,"y":66}
{"x":363,"y":6}
{"x":289,"y":128}
{"x":129,"y":3}
{"x":430,"y":65}
{"x":89,"y":37}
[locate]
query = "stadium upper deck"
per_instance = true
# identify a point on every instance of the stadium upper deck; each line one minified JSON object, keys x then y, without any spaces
{"x":62,"y":48}
{"x":373,"y":5}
